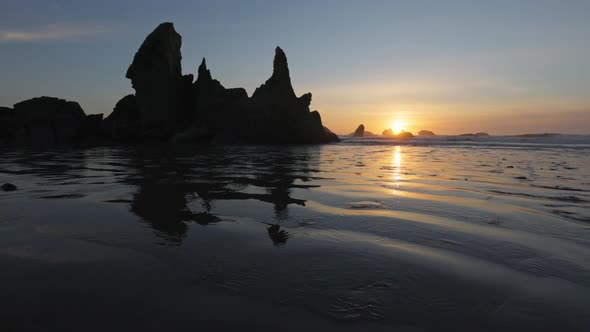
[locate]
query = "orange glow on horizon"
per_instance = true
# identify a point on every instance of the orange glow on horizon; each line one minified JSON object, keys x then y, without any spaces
{"x":398,"y":126}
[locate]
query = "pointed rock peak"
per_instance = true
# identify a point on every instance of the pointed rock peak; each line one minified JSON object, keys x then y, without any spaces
{"x":204,"y":73}
{"x":360,"y":131}
{"x":160,"y":51}
{"x":166,"y":26}
{"x":280,"y":65}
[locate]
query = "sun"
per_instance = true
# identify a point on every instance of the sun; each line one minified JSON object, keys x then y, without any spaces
{"x":398,"y":126}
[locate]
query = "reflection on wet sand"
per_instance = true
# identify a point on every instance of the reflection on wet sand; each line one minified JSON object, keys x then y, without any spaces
{"x":167,"y":185}
{"x":377,"y":235}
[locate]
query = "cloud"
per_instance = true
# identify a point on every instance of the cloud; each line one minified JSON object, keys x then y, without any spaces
{"x":53,"y":32}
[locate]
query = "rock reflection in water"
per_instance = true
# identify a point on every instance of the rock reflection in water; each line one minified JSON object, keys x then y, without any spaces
{"x":169,"y":181}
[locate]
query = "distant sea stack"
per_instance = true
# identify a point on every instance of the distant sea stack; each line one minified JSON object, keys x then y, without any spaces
{"x":388,"y":132}
{"x":426,"y":133}
{"x":401,"y":135}
{"x":360,"y":131}
{"x":170,"y":106}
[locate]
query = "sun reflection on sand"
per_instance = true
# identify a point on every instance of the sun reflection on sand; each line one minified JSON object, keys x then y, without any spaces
{"x":397,"y":164}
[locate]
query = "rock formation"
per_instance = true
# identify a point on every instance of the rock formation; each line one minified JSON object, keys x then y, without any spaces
{"x":214,"y":107}
{"x":156,"y":76}
{"x":124,"y":123}
{"x":360,"y":131}
{"x":6,"y":124}
{"x":404,"y":135}
{"x":275,"y":114}
{"x":388,"y":132}
{"x":168,"y":105}
{"x":8,"y":187}
{"x":426,"y":133}
{"x":47,"y":121}
{"x":401,"y":135}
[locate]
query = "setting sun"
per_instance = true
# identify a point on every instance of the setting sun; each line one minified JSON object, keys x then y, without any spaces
{"x":398,"y":126}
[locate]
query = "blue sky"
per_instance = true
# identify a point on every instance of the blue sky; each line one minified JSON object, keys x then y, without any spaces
{"x":449,"y":66}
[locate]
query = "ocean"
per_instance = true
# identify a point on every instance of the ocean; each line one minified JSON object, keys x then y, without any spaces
{"x":370,"y":234}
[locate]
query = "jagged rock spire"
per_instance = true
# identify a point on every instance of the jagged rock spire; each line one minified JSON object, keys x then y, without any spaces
{"x":279,"y":84}
{"x":204,"y":73}
{"x":280,"y":65}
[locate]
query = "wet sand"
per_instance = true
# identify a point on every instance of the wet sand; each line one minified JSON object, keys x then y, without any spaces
{"x":348,"y":237}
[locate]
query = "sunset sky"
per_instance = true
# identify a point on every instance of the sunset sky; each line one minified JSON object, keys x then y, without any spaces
{"x":452,"y":67}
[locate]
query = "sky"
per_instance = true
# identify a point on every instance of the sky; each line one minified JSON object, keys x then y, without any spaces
{"x":453,"y":67}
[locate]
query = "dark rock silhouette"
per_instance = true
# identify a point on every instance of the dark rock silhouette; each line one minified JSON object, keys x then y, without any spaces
{"x":360,"y":131}
{"x":156,"y":76}
{"x":124,"y":123}
{"x":213,"y":108}
{"x":401,"y":135}
{"x":169,"y":106}
{"x":404,"y":135}
{"x":47,"y":121}
{"x":92,"y":126}
{"x":8,"y":187}
{"x":426,"y":133}
{"x":6,"y":124}
{"x":275,"y":114}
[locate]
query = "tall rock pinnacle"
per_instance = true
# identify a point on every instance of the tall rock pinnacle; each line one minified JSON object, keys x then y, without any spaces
{"x":156,"y":76}
{"x":204,"y":73}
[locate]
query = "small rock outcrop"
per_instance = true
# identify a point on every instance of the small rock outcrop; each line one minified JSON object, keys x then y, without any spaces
{"x":47,"y":121}
{"x":388,"y":132}
{"x":156,"y":76}
{"x":404,"y":135}
{"x":401,"y":135}
{"x":426,"y":133}
{"x":8,"y":187}
{"x":360,"y":131}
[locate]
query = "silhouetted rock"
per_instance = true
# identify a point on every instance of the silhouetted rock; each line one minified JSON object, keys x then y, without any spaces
{"x":8,"y":187}
{"x":274,"y":114}
{"x":47,"y":121}
{"x":6,"y":124}
{"x":426,"y":133}
{"x":170,"y":106}
{"x":404,"y":135}
{"x":329,"y":135}
{"x":124,"y":123}
{"x":156,"y":76}
{"x":215,"y":107}
{"x":360,"y":131}
{"x":388,"y":132}
{"x":92,"y":127}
